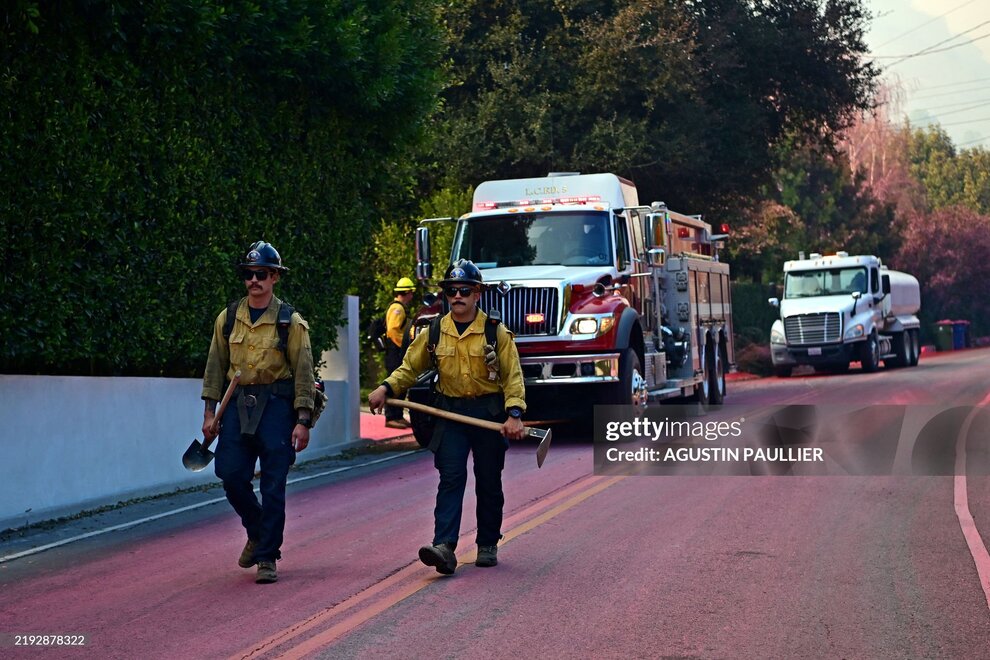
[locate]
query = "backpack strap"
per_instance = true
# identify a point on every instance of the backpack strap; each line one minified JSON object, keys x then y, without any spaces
{"x":285,"y":312}
{"x":491,"y":327}
{"x":228,"y":325}
{"x":434,"y":339}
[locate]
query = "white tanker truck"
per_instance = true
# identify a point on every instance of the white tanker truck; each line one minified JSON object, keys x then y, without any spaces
{"x":838,"y":309}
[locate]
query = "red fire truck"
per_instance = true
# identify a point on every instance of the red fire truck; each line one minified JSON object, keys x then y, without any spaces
{"x":611,"y":302}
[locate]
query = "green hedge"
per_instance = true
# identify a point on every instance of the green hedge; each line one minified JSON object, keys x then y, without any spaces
{"x":147,"y":144}
{"x":752,"y":316}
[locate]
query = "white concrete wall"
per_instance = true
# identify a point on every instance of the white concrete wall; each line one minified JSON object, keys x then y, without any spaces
{"x":75,"y":443}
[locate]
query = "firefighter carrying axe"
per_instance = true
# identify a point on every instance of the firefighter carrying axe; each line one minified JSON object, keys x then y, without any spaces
{"x":543,"y":435}
{"x":198,"y":456}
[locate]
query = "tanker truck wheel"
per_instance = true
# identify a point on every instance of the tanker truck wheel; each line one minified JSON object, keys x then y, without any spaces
{"x":902,"y":350}
{"x":915,"y":347}
{"x":869,"y":353}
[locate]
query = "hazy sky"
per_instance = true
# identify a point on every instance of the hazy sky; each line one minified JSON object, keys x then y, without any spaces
{"x":951,"y":87}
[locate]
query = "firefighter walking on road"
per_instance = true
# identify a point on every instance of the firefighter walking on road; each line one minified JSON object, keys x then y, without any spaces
{"x":477,"y":380}
{"x":270,"y":414}
{"x":396,"y":324}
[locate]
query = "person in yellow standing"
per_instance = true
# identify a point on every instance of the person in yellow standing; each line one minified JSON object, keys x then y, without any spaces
{"x":397,"y":318}
{"x":471,"y":384}
{"x":271,"y":412}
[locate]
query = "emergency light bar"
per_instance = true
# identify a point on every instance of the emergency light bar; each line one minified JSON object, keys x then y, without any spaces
{"x":491,"y":206}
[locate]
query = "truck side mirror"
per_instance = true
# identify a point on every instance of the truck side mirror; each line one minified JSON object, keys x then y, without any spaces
{"x":424,"y":269}
{"x":774,"y":302}
{"x":655,"y":256}
{"x":653,"y":220}
{"x":885,"y":286}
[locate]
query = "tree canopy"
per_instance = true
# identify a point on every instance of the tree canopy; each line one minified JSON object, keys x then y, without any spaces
{"x":688,"y":99}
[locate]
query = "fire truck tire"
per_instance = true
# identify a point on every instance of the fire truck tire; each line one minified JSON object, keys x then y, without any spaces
{"x":717,"y":374}
{"x":869,"y":354}
{"x":630,"y":390}
{"x":782,"y":372}
{"x":915,"y":348}
{"x":703,"y":389}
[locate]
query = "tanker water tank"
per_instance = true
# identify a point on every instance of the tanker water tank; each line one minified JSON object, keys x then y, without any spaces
{"x":905,"y":294}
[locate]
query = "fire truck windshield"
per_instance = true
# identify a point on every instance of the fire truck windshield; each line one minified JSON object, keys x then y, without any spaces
{"x":579,"y":238}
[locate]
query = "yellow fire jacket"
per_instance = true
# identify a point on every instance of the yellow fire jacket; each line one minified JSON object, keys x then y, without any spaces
{"x":254,"y":351}
{"x":395,"y":322}
{"x":461,"y":361}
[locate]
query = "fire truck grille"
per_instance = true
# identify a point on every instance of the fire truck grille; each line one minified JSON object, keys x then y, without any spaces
{"x":525,"y":311}
{"x":813,"y":329}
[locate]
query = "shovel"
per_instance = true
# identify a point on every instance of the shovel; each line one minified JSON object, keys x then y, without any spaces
{"x":198,"y":456}
{"x":543,"y":435}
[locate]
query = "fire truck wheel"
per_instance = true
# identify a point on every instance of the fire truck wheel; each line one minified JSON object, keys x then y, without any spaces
{"x":716,"y":371}
{"x":703,"y":389}
{"x":631,"y":388}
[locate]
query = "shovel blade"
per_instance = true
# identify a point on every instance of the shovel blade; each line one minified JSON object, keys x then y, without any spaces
{"x":544,"y":437}
{"x":197,"y":457}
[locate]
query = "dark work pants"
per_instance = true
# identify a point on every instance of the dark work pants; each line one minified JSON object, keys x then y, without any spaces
{"x":488,"y":448}
{"x":393,"y":360}
{"x":235,"y":460}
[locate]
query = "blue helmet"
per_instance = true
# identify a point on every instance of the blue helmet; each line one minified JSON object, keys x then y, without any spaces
{"x":262,"y":254}
{"x":462,"y":271}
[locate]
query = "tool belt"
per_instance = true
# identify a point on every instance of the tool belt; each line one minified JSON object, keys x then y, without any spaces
{"x":252,"y":399}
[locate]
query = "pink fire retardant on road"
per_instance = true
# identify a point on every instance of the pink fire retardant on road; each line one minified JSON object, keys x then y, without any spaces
{"x":373,"y":428}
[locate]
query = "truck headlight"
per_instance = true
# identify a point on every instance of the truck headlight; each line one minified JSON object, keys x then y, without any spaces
{"x":590,"y":325}
{"x":855,"y":331}
{"x":777,"y":337}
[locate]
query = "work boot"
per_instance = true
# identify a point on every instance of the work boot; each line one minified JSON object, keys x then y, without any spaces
{"x":439,"y":555}
{"x":397,"y":423}
{"x":487,"y":556}
{"x":266,"y":573}
{"x":247,"y":560}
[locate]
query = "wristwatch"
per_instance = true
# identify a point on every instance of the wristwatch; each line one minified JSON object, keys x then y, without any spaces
{"x":305,"y":421}
{"x":515,"y":412}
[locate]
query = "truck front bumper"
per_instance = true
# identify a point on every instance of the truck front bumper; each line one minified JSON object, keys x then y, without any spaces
{"x":789,"y":356}
{"x":570,"y":369}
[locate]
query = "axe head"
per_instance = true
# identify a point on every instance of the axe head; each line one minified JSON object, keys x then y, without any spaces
{"x":544,"y":436}
{"x":197,"y":457}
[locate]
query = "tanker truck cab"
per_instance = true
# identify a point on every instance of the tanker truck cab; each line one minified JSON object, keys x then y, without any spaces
{"x":573,"y":276}
{"x":837,"y":309}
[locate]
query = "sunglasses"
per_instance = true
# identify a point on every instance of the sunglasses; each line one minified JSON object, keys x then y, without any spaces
{"x":452,"y":291}
{"x":247,"y":275}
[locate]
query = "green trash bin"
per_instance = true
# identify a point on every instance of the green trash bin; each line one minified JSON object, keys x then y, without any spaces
{"x":943,"y":335}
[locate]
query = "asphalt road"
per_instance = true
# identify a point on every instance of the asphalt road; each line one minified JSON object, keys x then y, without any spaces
{"x":591,"y":566}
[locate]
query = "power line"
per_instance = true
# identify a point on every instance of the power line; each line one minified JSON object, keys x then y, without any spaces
{"x":960,"y":123}
{"x":955,"y":84}
{"x":953,"y":112}
{"x":958,"y":91}
{"x":953,"y":105}
{"x":930,"y":50}
{"x":979,"y":139}
{"x":926,"y":23}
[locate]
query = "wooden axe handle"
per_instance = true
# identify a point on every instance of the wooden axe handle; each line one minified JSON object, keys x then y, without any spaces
{"x":223,"y":403}
{"x":437,"y":412}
